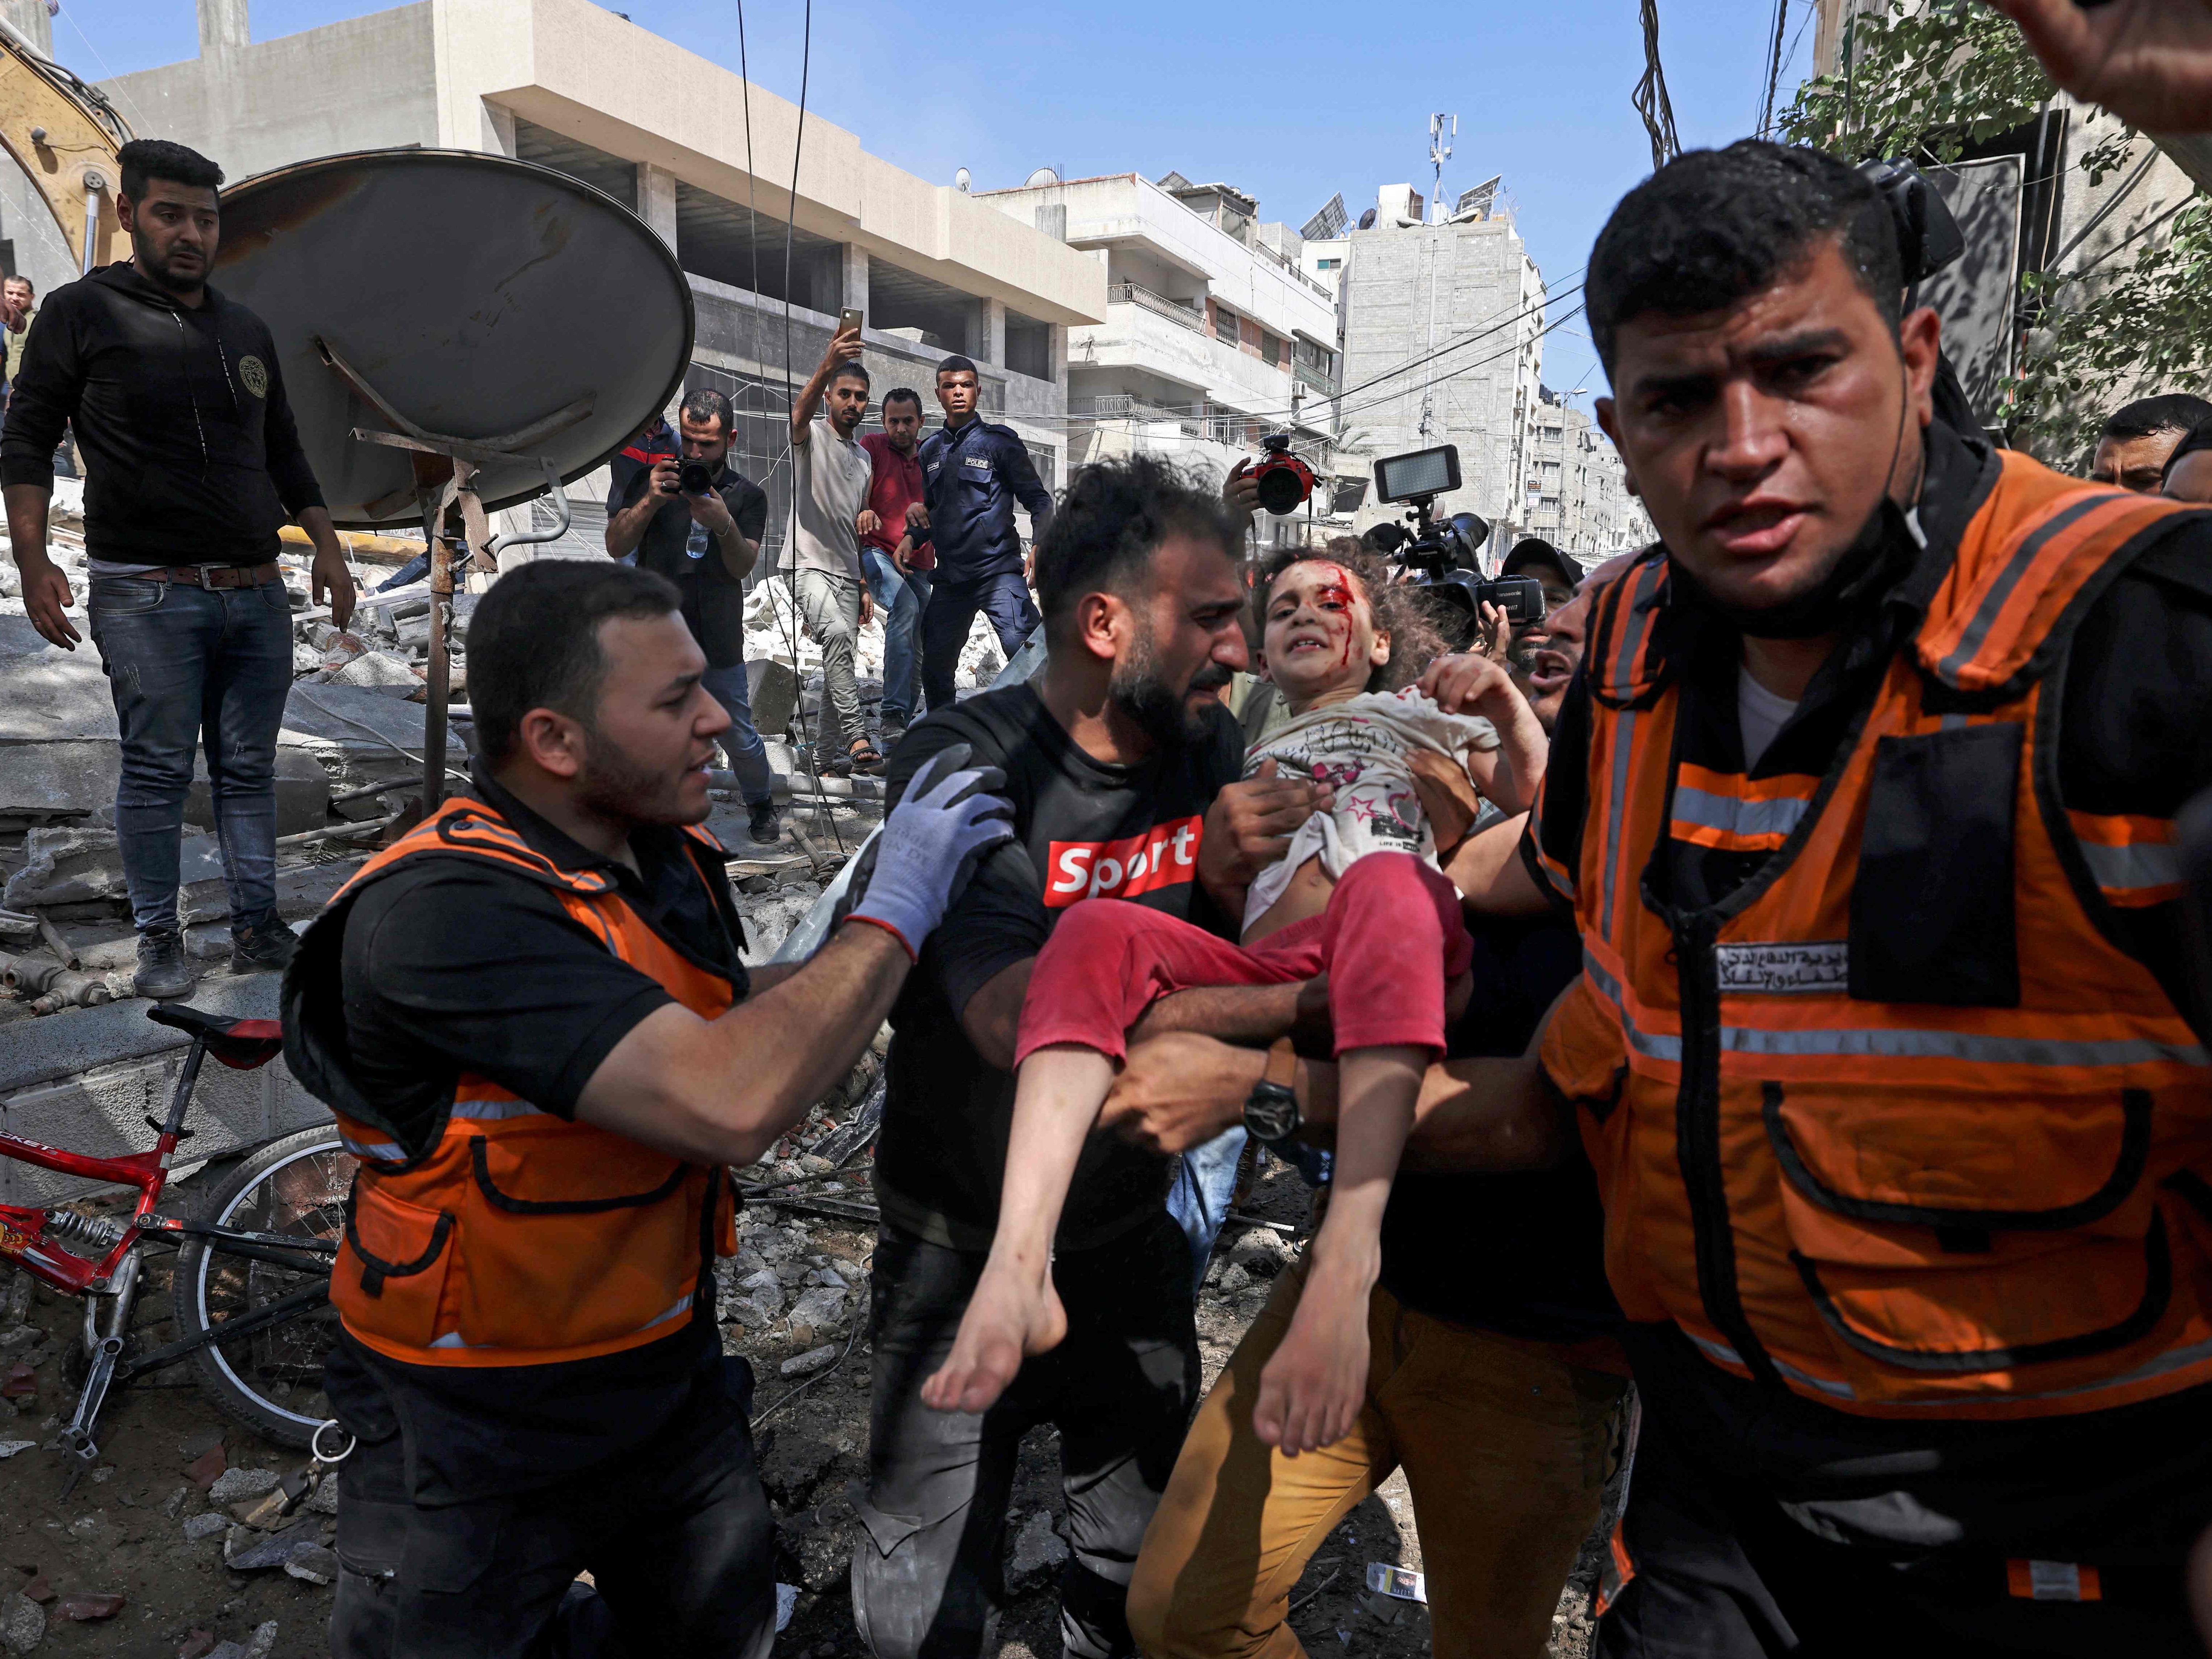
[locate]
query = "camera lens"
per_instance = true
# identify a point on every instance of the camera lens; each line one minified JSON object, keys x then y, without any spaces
{"x":1282,"y":491}
{"x":695,"y":478}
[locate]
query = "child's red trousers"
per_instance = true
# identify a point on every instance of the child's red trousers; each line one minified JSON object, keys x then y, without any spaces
{"x":1390,"y":940}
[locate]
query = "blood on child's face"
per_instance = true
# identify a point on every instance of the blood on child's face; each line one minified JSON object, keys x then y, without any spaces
{"x":1320,"y":634}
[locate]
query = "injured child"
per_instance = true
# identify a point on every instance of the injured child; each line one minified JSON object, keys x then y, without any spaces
{"x":1358,"y":896}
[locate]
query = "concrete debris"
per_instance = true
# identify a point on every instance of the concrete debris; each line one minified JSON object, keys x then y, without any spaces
{"x":1037,"y":1552}
{"x":247,"y":1551}
{"x":263,"y":1641}
{"x":805,"y":1365}
{"x":316,"y":1564}
{"x":819,"y":1307}
{"x":9,"y":1448}
{"x":22,"y":1624}
{"x":197,"y":1527}
{"x":235,"y":1484}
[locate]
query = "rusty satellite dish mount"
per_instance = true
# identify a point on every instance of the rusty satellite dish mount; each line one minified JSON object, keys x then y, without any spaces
{"x":544,"y":325}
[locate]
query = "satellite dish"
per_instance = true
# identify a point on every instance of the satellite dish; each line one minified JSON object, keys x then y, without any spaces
{"x":1042,"y":176}
{"x":961,"y":182}
{"x":542,"y":304}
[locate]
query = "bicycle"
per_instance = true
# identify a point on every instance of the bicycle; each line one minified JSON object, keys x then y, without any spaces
{"x":252,"y":1301}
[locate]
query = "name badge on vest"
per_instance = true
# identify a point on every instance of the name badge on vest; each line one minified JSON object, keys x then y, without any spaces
{"x":1784,"y":970}
{"x":979,"y":463}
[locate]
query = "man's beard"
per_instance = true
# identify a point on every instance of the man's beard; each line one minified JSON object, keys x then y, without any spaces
{"x":143,"y":247}
{"x":1161,"y":713}
{"x":616,"y":789}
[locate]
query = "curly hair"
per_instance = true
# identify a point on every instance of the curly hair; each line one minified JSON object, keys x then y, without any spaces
{"x":1112,"y":519}
{"x":1400,"y":611}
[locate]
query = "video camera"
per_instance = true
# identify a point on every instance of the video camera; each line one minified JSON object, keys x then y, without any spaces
{"x":1445,"y":555}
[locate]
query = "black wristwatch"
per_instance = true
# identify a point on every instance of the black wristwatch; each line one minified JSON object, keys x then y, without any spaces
{"x":1271,"y":1110}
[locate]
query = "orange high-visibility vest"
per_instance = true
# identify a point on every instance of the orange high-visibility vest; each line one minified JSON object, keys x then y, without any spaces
{"x":1977,"y":1202}
{"x":520,"y":1237}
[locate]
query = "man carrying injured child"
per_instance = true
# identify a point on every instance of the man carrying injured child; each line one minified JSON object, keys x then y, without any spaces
{"x":1358,"y":896}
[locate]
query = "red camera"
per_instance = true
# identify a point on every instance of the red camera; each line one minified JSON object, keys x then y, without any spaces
{"x":1285,"y":481}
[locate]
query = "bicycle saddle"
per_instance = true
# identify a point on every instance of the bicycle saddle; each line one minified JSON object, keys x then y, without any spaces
{"x":241,"y":1044}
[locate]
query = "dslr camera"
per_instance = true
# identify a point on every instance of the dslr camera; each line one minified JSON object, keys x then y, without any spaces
{"x":696,"y":477}
{"x":1445,"y":555}
{"x":1285,"y":481}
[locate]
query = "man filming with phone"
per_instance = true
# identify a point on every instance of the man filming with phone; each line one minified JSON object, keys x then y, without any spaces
{"x":694,"y":518}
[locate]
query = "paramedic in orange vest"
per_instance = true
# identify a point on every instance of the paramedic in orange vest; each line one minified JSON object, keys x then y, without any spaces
{"x":532,"y":1020}
{"x":1863,"y":804}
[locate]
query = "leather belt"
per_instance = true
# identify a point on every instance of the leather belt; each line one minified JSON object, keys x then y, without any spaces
{"x":214,"y":575}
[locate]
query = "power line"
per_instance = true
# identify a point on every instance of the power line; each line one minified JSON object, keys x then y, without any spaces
{"x":1774,"y":70}
{"x":1651,"y":99}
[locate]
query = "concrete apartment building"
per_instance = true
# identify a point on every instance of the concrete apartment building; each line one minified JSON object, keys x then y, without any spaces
{"x":1213,"y":333}
{"x":1576,"y":495}
{"x":572,"y":86}
{"x":1465,"y":296}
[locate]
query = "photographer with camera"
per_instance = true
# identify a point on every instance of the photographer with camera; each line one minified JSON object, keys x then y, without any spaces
{"x":692,"y":518}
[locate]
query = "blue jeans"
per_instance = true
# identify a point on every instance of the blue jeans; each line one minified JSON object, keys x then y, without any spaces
{"x":1003,"y":598}
{"x":1205,"y":1182}
{"x":748,"y":755}
{"x":414,"y":570}
{"x":901,"y":597}
{"x":187,"y":665}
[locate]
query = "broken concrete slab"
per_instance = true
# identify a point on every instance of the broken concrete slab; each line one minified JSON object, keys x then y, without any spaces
{"x":70,"y":778}
{"x":74,"y":864}
{"x":53,"y":694}
{"x":773,"y":688}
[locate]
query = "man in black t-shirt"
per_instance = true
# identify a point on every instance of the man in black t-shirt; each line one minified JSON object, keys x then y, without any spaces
{"x":1121,"y":765}
{"x":532,"y":1020}
{"x":707,"y":545}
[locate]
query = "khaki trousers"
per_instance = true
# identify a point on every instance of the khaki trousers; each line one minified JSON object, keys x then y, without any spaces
{"x":1506,"y":1446}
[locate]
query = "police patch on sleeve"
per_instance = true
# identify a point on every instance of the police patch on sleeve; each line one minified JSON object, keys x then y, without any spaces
{"x":1784,"y":970}
{"x":255,"y":373}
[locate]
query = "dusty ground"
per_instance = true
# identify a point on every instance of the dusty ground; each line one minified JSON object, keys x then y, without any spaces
{"x":796,"y":1289}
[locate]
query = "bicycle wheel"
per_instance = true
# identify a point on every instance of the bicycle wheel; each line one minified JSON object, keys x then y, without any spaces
{"x":271,"y":1379}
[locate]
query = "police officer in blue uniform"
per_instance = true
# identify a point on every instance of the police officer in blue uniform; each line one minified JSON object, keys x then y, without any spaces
{"x":973,"y":472}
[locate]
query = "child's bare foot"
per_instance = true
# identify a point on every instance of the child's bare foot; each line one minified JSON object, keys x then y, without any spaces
{"x":1008,"y":1318}
{"x":1312,"y":1389}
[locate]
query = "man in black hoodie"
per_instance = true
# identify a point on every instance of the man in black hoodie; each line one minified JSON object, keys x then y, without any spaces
{"x":193,"y":463}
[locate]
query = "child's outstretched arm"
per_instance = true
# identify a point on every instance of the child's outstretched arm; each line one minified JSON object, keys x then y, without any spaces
{"x":1508,"y":775}
{"x":1014,"y":1312}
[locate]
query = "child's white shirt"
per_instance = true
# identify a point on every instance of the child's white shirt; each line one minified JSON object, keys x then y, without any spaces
{"x":1360,"y":748}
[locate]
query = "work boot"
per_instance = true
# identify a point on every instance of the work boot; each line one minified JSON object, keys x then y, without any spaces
{"x":163,"y":974}
{"x":763,"y":824}
{"x":262,"y":946}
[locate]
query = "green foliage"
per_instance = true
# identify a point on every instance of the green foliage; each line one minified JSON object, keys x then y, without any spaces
{"x":1926,"y":81}
{"x":1921,"y":84}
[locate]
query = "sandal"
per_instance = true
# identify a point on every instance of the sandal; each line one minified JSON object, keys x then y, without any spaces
{"x":864,"y":756}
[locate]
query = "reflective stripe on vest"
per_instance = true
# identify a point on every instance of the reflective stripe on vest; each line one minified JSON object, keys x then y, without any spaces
{"x":519,"y":1236}
{"x":1945,"y":1162}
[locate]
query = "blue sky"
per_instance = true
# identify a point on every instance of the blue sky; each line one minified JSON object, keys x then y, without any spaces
{"x":1290,"y":101}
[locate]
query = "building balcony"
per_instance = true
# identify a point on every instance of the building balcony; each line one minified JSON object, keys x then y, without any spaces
{"x":1179,"y":312}
{"x":1312,"y":377}
{"x":1166,"y":348}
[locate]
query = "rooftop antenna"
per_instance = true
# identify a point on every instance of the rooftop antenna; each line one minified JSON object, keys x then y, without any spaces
{"x":1442,"y":129}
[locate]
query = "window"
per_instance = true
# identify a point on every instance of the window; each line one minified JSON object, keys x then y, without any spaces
{"x":1328,"y":264}
{"x":1225,"y":324}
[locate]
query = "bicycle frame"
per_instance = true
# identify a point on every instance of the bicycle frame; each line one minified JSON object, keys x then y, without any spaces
{"x":23,"y":1238}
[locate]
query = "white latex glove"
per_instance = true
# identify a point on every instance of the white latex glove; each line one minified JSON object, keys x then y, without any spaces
{"x":916,"y":867}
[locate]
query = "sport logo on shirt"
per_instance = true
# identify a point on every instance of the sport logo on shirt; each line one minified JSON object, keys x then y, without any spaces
{"x":1165,"y":855}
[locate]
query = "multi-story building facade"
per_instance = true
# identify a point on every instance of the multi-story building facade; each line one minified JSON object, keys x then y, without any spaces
{"x":1214,"y":335}
{"x":1443,"y":344}
{"x":1576,"y":491}
{"x":574,"y":87}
